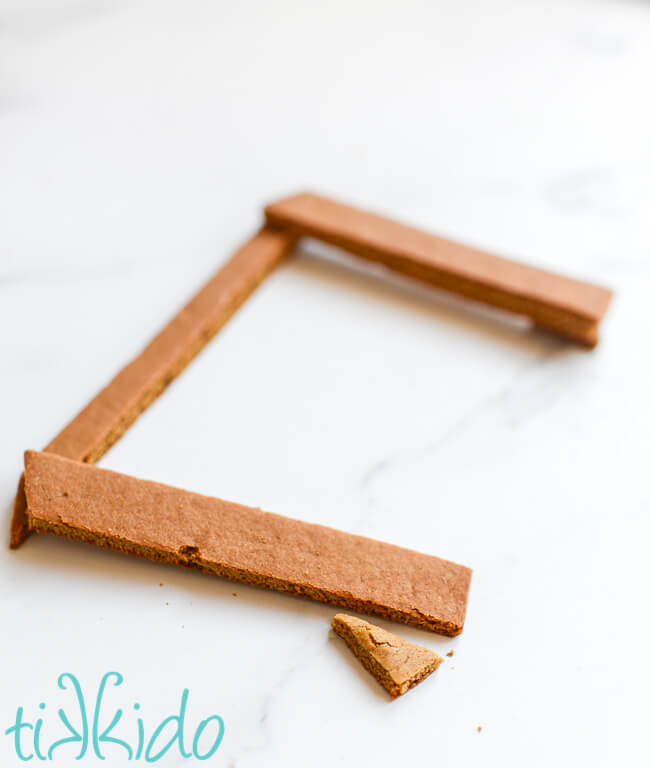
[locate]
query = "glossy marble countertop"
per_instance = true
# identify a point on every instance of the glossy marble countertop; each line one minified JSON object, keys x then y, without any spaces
{"x":138,"y":143}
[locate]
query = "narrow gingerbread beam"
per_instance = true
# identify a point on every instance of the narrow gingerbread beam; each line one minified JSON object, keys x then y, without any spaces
{"x":105,"y":419}
{"x":568,"y":307}
{"x":165,"y":524}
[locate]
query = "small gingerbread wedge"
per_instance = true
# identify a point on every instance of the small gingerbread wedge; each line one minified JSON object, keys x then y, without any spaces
{"x":396,"y":663}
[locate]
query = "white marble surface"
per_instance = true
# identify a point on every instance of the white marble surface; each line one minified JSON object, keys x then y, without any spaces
{"x":138,"y":141}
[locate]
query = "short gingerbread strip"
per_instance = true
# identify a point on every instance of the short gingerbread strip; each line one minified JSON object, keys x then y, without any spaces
{"x":105,"y":419}
{"x":560,"y":304}
{"x":166,"y":524}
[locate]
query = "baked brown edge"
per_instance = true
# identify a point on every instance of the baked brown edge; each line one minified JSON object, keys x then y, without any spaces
{"x":339,"y":599}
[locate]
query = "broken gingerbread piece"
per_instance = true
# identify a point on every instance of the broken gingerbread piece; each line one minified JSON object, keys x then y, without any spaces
{"x":108,"y":415}
{"x":166,"y":524}
{"x":569,"y":307}
{"x":397,"y":664}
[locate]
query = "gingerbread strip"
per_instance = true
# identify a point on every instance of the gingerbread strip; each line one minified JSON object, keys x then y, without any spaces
{"x":568,"y":307}
{"x":105,"y":419}
{"x":166,"y":524}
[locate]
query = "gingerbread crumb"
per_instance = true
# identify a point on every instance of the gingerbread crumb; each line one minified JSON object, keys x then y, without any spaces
{"x":450,"y":653}
{"x":479,"y":728}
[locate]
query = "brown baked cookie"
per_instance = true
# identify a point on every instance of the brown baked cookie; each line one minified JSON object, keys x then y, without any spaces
{"x":167,"y":524}
{"x":396,"y":663}
{"x":569,"y":307}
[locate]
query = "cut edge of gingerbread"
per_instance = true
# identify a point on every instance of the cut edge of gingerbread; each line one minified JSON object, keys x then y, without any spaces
{"x":397,"y":664}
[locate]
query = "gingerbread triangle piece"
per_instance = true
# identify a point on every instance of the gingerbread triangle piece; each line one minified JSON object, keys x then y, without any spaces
{"x":396,"y":663}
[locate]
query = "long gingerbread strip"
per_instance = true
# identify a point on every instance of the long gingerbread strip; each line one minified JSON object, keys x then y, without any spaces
{"x":166,"y":524}
{"x":105,"y":419}
{"x":560,"y":304}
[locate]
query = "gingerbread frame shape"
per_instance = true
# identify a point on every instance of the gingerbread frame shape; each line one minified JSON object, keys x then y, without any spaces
{"x":565,"y":306}
{"x":560,"y":304}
